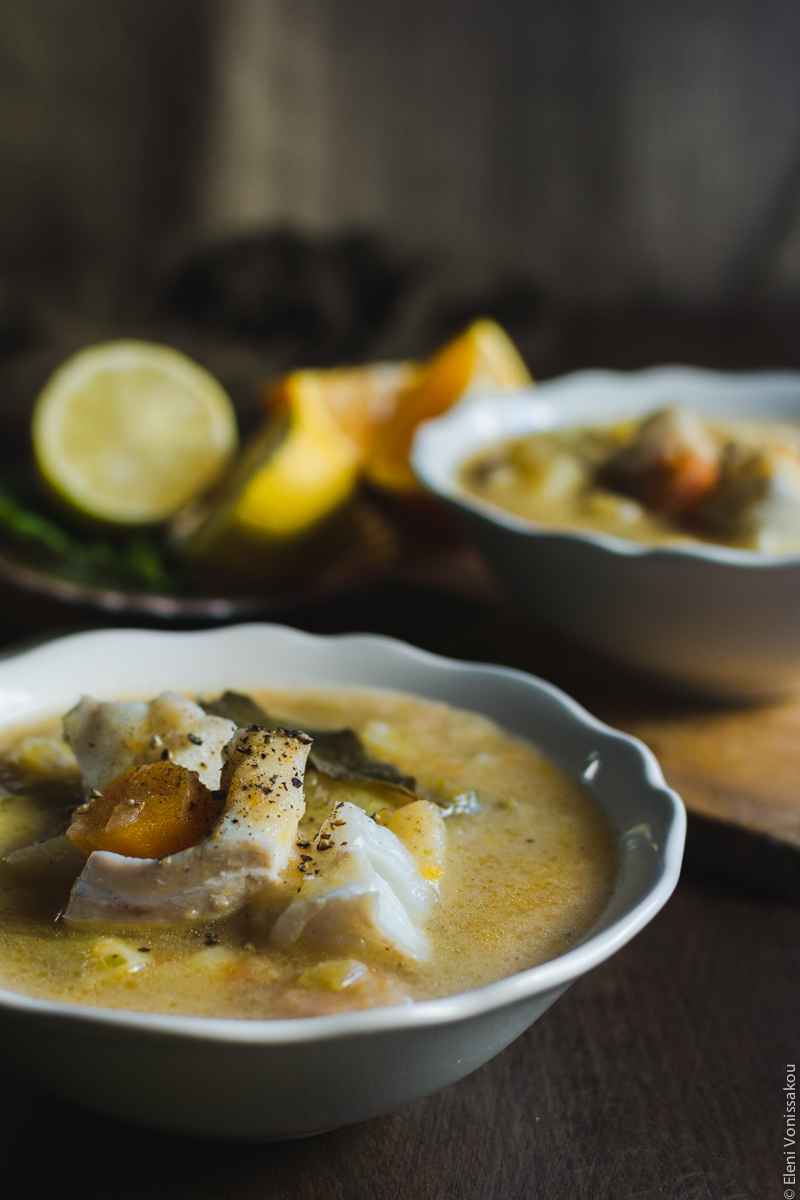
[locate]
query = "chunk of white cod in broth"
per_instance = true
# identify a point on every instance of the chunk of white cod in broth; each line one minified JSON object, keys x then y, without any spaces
{"x":247,"y":850}
{"x":111,"y":737}
{"x":365,"y":885}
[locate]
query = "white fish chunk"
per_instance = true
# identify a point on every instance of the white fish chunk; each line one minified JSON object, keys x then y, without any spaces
{"x":246,"y":851}
{"x":349,"y":828}
{"x":671,"y":433}
{"x":671,"y":463}
{"x":348,"y":906}
{"x":361,"y":885}
{"x":111,"y":737}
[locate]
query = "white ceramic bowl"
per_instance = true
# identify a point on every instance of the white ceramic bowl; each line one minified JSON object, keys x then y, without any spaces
{"x":286,"y":1078}
{"x":706,"y":618}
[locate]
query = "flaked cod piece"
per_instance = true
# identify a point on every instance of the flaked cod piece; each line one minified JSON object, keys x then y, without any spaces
{"x":363,"y":885}
{"x":248,"y":848}
{"x":111,"y":737}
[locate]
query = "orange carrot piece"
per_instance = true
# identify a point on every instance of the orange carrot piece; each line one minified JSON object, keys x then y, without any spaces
{"x":146,"y":813}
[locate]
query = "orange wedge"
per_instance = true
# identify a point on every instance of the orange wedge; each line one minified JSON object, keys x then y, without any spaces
{"x":481,"y":357}
{"x":359,"y":399}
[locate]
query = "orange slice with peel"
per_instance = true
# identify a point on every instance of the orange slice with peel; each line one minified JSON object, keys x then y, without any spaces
{"x":481,"y":357}
{"x":360,"y":399}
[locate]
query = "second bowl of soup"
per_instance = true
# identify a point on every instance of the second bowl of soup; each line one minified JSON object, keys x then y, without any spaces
{"x":652,"y":516}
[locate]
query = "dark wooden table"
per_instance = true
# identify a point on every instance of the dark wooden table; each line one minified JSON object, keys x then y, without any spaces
{"x":658,"y":1075}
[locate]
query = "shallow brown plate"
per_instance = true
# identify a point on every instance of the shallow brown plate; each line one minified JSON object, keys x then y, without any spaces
{"x":372,"y":551}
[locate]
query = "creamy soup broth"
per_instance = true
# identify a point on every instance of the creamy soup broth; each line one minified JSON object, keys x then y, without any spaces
{"x":525,"y":877}
{"x":556,"y":479}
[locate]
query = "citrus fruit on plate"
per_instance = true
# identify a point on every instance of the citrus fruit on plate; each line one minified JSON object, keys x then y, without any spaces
{"x":359,"y":399}
{"x":129,"y":432}
{"x":297,"y":474}
{"x":482,"y":357}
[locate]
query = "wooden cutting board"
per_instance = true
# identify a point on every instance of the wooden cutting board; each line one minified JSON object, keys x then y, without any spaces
{"x":739,"y":775}
{"x":736,"y":767}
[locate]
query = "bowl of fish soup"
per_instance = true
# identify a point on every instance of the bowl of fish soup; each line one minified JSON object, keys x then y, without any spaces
{"x":719,"y":619}
{"x":255,"y":1078}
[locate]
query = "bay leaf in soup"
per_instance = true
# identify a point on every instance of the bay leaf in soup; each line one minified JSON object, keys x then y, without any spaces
{"x":339,"y":754}
{"x":244,"y":711}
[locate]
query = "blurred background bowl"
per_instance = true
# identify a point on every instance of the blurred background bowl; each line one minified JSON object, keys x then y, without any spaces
{"x":710,"y":619}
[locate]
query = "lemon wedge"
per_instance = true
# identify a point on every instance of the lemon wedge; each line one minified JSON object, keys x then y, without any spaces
{"x":292,"y":476}
{"x":482,"y":357}
{"x":129,"y":432}
{"x":308,"y":474}
{"x":298,"y":471}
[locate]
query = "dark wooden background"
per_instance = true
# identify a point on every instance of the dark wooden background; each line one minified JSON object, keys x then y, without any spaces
{"x":619,"y":152}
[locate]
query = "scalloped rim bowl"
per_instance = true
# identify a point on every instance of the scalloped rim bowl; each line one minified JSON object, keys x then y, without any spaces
{"x":708,"y":619}
{"x":261,"y":1080}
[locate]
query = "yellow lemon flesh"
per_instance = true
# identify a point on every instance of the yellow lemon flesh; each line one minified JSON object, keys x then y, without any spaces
{"x":309,"y":474}
{"x":129,"y":432}
{"x":296,"y":472}
{"x":481,"y":357}
{"x":302,"y":467}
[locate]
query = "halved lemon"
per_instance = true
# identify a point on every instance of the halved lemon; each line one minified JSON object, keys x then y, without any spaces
{"x":482,"y":357}
{"x":129,"y":432}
